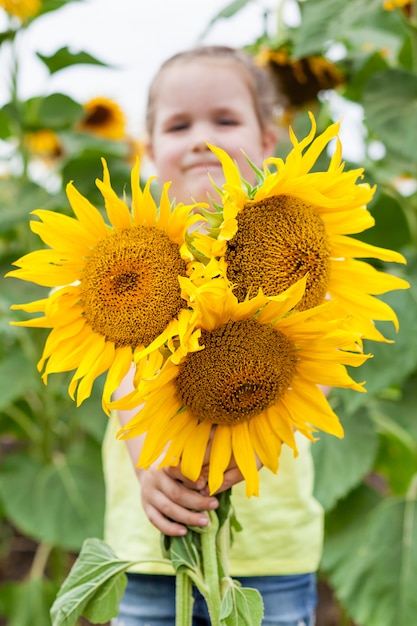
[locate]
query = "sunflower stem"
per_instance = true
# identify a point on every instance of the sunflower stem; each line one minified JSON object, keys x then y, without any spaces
{"x":211,"y":569}
{"x":183,"y":599}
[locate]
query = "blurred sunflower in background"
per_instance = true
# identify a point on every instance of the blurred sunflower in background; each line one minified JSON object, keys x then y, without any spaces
{"x":297,"y":222}
{"x":22,"y":9}
{"x":45,"y":144}
{"x":405,"y":5}
{"x":299,"y":81}
{"x":115,"y":291}
{"x":252,"y":383}
{"x":104,"y":118}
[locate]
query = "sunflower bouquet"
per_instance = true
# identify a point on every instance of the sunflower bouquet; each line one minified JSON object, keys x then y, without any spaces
{"x":232,"y":330}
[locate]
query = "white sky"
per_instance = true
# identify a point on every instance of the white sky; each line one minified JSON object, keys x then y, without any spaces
{"x":134,"y":36}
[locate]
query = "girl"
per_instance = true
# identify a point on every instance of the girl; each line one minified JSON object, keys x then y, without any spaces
{"x":211,"y":94}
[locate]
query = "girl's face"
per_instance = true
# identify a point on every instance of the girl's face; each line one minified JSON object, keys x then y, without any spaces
{"x":198,"y":102}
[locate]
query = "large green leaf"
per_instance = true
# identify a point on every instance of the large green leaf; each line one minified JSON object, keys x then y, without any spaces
{"x":61,"y":503}
{"x":379,"y":586}
{"x":59,"y":111}
{"x":65,"y":58}
{"x":390,"y":103}
{"x":93,"y":588}
{"x":341,"y":464}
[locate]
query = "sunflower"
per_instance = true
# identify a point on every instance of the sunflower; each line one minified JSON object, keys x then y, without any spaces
{"x":116,"y":295}
{"x":103,"y":117}
{"x":295,"y":222}
{"x":23,"y":9}
{"x":44,"y":143}
{"x":299,"y":80}
{"x":243,"y":395}
{"x":392,"y":5}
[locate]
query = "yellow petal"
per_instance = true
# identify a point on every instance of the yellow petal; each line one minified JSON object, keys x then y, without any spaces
{"x":194,"y":451}
{"x":245,"y":458}
{"x":87,"y":214}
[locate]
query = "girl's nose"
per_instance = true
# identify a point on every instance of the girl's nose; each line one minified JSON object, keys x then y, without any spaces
{"x":199,"y":138}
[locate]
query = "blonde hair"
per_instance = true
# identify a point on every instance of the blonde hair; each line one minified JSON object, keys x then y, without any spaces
{"x":259,"y":81}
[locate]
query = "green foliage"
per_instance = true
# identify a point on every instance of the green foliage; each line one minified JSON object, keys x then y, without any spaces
{"x":93,"y":588}
{"x":385,"y":95}
{"x":51,"y":483}
{"x":65,"y":58}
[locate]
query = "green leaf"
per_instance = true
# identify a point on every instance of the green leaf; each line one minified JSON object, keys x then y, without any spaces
{"x":20,"y":602}
{"x":390,"y":103}
{"x":183,"y":552}
{"x":355,"y":23}
{"x":360,"y":66}
{"x":17,"y":377}
{"x":380,"y":590}
{"x":7,"y":35}
{"x":84,"y":168}
{"x":93,"y":588}
{"x":241,"y":606}
{"x":396,"y":422}
{"x":61,"y":503}
{"x":341,"y":464}
{"x":65,"y":58}
{"x":17,"y":200}
{"x":391,"y":228}
{"x":345,"y":531}
{"x":59,"y":111}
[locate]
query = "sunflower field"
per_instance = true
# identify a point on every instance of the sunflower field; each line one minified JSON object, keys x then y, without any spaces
{"x":340,"y":57}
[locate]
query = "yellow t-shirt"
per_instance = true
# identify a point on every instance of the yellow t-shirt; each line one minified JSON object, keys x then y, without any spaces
{"x":282,"y":528}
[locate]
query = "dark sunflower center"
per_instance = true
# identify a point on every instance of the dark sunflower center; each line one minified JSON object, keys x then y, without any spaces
{"x":278,"y":241}
{"x":243,"y":369}
{"x":98,"y":116}
{"x":129,"y":286}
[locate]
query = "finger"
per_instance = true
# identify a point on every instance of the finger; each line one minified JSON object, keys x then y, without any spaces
{"x":185,"y":498}
{"x":163,"y":524}
{"x":173,"y":519}
{"x":175,"y":473}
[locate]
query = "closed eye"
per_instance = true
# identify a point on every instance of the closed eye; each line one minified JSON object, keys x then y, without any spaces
{"x":177,"y":126}
{"x":227,"y":121}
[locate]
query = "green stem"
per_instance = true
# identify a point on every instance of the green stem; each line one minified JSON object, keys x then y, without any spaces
{"x":183,"y":600}
{"x":223,"y":548}
{"x":211,"y":569}
{"x":40,"y":560}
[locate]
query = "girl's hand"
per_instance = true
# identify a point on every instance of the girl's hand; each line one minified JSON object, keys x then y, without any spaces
{"x":171,"y":503}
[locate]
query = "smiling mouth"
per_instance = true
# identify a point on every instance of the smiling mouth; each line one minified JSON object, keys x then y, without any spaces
{"x":206,"y":167}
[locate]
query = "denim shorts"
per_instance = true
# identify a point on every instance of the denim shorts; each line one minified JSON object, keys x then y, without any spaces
{"x":149,"y":600}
